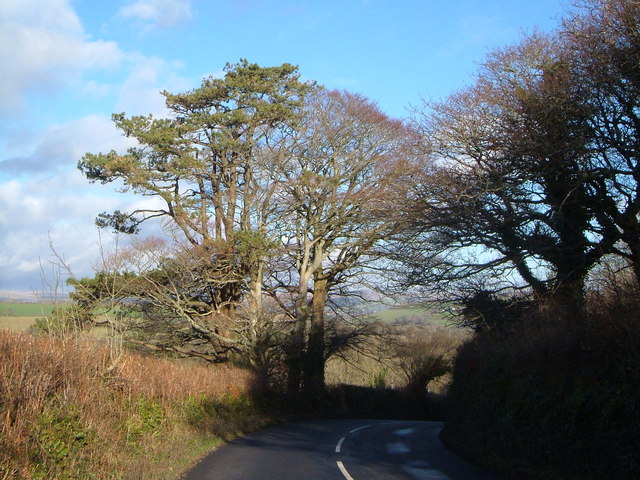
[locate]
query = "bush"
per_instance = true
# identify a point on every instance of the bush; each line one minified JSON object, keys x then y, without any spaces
{"x":554,"y":399}
{"x":64,"y":321}
{"x":68,"y":411}
{"x":425,"y":354}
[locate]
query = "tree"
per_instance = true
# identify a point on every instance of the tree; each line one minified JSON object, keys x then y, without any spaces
{"x":603,"y":41}
{"x":509,"y":197}
{"x":203,"y":164}
{"x":270,"y":189}
{"x":423,"y":355}
{"x":345,"y":160}
{"x":532,"y":175}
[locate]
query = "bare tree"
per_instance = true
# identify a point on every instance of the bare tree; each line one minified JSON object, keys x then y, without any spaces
{"x":344,"y":161}
{"x":602,"y":40}
{"x":507,"y":199}
{"x":425,"y":354}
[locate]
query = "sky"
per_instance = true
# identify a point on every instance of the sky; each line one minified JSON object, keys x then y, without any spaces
{"x":67,"y":65}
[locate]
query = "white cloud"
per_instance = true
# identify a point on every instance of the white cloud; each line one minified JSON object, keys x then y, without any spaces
{"x":140,"y":94}
{"x":96,"y":89}
{"x":52,"y":202}
{"x":60,"y":147}
{"x":44,"y":197}
{"x":160,"y":13}
{"x":32,"y":212}
{"x":58,"y":212}
{"x":43,"y":48}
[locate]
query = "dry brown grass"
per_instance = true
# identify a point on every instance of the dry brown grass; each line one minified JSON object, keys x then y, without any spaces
{"x":68,"y":410}
{"x":19,"y":324}
{"x":365,"y":369}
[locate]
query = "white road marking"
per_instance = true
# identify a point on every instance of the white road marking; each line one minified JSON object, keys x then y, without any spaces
{"x":397,"y":447}
{"x":344,"y":471}
{"x":359,"y":428}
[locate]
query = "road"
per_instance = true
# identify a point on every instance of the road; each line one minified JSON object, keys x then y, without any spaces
{"x":339,"y":450}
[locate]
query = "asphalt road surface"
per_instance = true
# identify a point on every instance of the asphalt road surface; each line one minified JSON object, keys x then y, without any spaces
{"x":339,"y":450}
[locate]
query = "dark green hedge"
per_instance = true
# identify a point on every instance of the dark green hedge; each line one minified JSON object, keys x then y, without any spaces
{"x":554,"y":401}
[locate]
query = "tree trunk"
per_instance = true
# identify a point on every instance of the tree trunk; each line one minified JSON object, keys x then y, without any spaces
{"x":568,"y":298}
{"x":294,"y":349}
{"x":631,"y":236}
{"x":314,"y":361}
{"x":295,"y":358}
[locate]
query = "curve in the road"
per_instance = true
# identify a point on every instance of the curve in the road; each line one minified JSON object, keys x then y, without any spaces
{"x":348,"y":449}
{"x":407,"y":450}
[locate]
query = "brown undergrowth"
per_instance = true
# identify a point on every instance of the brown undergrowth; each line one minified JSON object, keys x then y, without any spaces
{"x":69,"y":410}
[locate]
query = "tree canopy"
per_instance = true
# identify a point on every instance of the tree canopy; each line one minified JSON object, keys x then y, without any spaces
{"x":533,"y":176}
{"x":278,"y":195}
{"x":268,"y":186}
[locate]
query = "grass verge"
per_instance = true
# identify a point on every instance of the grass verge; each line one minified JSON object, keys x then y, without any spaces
{"x":69,"y":410}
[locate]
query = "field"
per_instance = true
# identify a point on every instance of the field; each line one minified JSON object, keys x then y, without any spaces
{"x":19,"y":316}
{"x":17,"y":324}
{"x":410,"y":315}
{"x":22,"y":309}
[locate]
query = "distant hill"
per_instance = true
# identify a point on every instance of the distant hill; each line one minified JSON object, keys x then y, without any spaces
{"x":29,"y":297}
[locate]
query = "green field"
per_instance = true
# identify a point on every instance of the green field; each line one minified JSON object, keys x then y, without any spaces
{"x":21,"y":309}
{"x":393,"y":315}
{"x":19,"y":316}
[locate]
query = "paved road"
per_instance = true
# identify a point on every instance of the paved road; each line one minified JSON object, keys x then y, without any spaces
{"x":339,"y":450}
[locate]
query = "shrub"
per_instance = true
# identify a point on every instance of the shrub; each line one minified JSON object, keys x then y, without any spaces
{"x":61,"y":441}
{"x":424,"y":354}
{"x":64,"y":321}
{"x":554,"y":399}
{"x":69,"y":410}
{"x":379,"y":379}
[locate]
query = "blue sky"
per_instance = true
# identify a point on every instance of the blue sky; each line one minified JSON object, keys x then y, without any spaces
{"x":67,"y":65}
